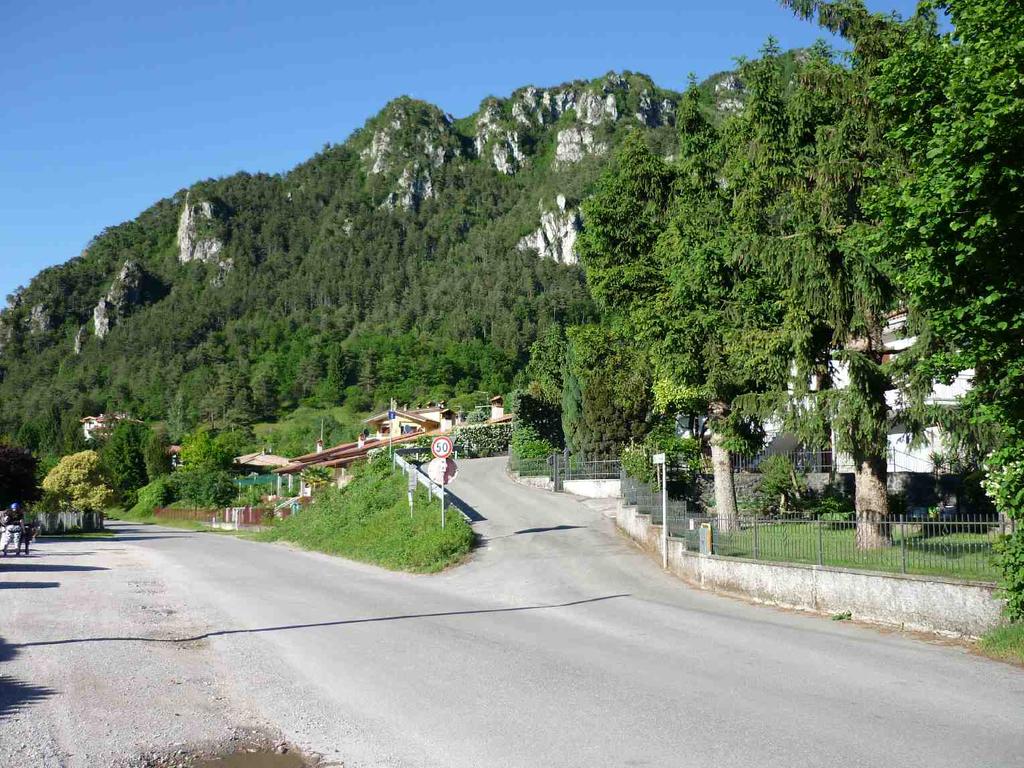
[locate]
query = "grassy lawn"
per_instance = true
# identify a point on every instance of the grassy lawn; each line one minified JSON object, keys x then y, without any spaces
{"x":1004,"y":643}
{"x":369,"y":520}
{"x":955,"y":555}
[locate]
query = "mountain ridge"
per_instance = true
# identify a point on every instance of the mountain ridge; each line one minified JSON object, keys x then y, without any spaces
{"x":384,"y":234}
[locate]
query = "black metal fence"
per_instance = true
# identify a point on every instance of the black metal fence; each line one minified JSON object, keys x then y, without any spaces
{"x":806,"y":460}
{"x":955,"y":549}
{"x":560,"y":467}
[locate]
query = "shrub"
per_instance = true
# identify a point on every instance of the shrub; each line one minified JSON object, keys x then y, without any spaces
{"x":203,"y":488}
{"x":833,"y":507}
{"x":636,"y":460}
{"x":482,"y":440}
{"x":682,"y":452}
{"x":77,"y":481}
{"x":157,"y":494}
{"x":1005,"y":487}
{"x":782,"y":489}
{"x":526,"y":443}
{"x":544,"y":418}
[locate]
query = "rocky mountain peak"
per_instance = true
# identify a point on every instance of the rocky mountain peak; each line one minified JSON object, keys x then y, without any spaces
{"x":410,"y":139}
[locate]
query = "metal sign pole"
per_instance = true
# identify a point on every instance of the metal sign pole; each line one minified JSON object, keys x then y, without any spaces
{"x":442,"y":505}
{"x":664,"y":516}
{"x":659,"y":460}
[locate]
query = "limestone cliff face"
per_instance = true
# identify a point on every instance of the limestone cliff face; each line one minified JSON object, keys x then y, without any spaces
{"x":125,"y":292}
{"x":729,"y":94}
{"x":80,"y":338}
{"x":409,"y":141}
{"x":555,"y":238}
{"x":195,"y":242}
{"x":575,"y":143}
{"x":39,"y":319}
{"x":496,"y":142}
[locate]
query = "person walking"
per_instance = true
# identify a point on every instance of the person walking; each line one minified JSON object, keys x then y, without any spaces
{"x":12,"y":524}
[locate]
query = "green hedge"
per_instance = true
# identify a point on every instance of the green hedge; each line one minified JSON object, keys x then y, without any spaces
{"x":479,"y":440}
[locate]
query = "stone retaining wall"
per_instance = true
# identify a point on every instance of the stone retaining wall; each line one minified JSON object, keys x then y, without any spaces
{"x":922,"y":603}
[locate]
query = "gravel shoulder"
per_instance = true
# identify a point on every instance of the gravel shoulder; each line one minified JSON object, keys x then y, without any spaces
{"x":92,"y":672}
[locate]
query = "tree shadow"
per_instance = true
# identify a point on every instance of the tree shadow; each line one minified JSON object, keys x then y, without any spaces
{"x":317,"y":625}
{"x":545,"y":530}
{"x":28,"y":584}
{"x":10,"y":564}
{"x":16,"y":695}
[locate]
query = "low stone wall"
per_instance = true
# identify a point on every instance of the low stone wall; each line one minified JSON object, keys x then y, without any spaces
{"x":922,"y":603}
{"x":594,"y":489}
{"x":544,"y":483}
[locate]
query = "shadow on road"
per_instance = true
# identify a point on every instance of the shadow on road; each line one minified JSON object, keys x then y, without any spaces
{"x":339,"y":623}
{"x":471,"y":514}
{"x":16,"y":695}
{"x":545,"y":530}
{"x":19,"y":564}
{"x":28,"y":584}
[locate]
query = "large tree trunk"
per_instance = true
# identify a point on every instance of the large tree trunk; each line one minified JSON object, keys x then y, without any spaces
{"x":721,"y":467}
{"x":871,"y":500}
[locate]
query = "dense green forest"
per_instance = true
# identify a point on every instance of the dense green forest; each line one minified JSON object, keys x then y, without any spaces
{"x":391,"y":265}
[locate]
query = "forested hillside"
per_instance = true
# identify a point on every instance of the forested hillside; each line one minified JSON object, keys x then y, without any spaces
{"x":419,"y":259}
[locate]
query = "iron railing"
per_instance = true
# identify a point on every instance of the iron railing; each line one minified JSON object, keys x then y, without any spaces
{"x":577,"y":468}
{"x":532,"y":467}
{"x":807,"y":460}
{"x":955,"y":549}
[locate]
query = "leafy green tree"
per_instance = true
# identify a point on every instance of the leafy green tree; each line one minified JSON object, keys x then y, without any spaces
{"x":667,"y":250}
{"x":202,"y":452}
{"x":203,"y":489}
{"x":948,"y":204}
{"x":836,"y":288}
{"x":613,"y":386}
{"x":77,"y":482}
{"x":18,"y":481}
{"x":157,"y":454}
{"x":124,"y":457}
{"x":543,"y":372}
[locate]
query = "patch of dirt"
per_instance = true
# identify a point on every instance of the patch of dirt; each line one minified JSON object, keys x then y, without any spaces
{"x":245,"y":748}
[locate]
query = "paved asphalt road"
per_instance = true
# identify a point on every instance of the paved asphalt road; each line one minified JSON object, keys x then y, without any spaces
{"x":560,"y":644}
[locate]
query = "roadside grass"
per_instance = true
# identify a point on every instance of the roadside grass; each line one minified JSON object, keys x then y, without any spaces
{"x":1005,"y":643}
{"x":957,"y":555}
{"x":128,"y":516}
{"x":369,"y":521}
{"x":78,"y":535}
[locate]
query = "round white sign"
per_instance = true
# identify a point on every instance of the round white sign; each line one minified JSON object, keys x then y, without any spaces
{"x":442,"y":447}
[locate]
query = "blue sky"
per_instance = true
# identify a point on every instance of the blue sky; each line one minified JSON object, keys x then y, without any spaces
{"x":106,"y":107}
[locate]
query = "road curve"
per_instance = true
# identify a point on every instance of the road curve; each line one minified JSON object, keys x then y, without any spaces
{"x":560,"y":644}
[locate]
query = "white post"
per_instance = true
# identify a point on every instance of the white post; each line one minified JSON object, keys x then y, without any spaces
{"x":660,"y":460}
{"x":442,"y":504}
{"x":664,"y":516}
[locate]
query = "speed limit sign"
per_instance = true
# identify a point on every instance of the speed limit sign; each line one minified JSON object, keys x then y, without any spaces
{"x":442,"y":447}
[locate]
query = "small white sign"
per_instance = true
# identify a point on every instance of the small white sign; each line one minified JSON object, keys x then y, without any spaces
{"x":442,"y":447}
{"x":658,"y":458}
